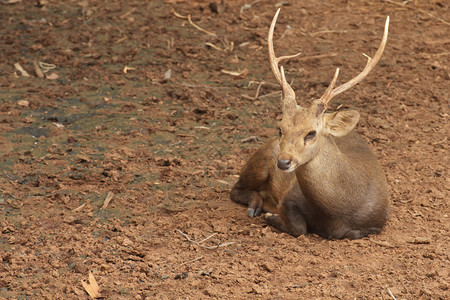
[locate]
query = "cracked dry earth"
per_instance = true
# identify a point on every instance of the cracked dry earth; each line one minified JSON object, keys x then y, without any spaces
{"x":136,"y":105}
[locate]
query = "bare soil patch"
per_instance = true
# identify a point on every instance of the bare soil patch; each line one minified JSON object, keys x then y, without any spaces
{"x":136,"y":103}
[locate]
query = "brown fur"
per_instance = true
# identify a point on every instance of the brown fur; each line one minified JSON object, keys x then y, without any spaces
{"x":337,"y":196}
{"x":320,"y":176}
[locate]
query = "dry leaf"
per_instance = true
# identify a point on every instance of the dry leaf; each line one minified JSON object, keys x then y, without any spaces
{"x":52,"y":76}
{"x":92,"y":287}
{"x":167,"y":75}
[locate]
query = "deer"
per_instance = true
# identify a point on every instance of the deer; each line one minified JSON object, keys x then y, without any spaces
{"x":320,"y":176}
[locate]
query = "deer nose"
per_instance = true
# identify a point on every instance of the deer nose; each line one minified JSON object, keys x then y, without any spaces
{"x":284,"y":164}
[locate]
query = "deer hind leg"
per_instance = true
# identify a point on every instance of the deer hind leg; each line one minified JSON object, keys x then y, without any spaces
{"x":251,"y":198}
{"x":254,"y":181}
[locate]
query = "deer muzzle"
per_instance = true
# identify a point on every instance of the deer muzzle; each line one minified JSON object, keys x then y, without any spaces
{"x":284,"y":164}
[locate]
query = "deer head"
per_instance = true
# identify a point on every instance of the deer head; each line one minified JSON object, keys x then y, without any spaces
{"x":304,"y":130}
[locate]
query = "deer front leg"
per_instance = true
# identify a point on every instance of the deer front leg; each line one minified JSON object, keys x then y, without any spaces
{"x":291,"y":219}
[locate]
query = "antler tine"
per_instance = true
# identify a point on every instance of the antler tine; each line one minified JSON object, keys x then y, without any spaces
{"x":371,"y":63}
{"x":326,"y":96}
{"x":273,"y":59}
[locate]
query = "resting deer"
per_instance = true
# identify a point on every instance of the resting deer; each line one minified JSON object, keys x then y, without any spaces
{"x":320,"y":176}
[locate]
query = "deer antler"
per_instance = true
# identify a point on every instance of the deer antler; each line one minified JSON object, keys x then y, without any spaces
{"x":288,"y":92}
{"x":371,"y":63}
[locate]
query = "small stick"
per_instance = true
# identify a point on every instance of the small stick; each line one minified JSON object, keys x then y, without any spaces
{"x":178,"y":15}
{"x":199,"y":243}
{"x":192,"y":23}
{"x":108,"y":199}
{"x":249,"y":139}
{"x":201,"y":127}
{"x":205,"y":239}
{"x":390,"y":293}
{"x":439,"y":142}
{"x":177,"y":143}
{"x":258,"y":89}
{"x":270,"y":94}
{"x":190,"y":261}
{"x":21,"y":70}
{"x":37,"y":70}
{"x":199,"y":28}
{"x":120,"y":40}
{"x":214,"y":46}
{"x":79,"y":207}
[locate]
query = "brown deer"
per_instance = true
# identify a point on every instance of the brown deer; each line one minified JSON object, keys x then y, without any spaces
{"x":320,"y":176}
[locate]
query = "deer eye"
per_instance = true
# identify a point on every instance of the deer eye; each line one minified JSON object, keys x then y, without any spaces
{"x":310,"y":135}
{"x":280,"y":132}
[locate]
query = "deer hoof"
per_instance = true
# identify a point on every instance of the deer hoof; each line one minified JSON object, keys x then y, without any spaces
{"x":255,"y":206}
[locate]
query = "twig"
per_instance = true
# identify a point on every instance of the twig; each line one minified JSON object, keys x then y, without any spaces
{"x":223,"y":182}
{"x":270,"y":94}
{"x":178,"y":15}
{"x":250,"y":139}
{"x":177,"y":143}
{"x":188,"y":17}
{"x":390,"y":293}
{"x":439,"y":142}
{"x":108,"y":199}
{"x":120,"y":40}
{"x":199,"y":243}
{"x":214,"y":46}
{"x":79,"y":207}
{"x":21,"y":70}
{"x":205,"y":239}
{"x":37,"y":70}
{"x":199,"y":28}
{"x":190,"y":261}
{"x":418,"y":9}
{"x":258,"y":89}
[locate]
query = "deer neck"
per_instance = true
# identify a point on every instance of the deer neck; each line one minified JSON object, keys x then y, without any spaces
{"x":321,"y":179}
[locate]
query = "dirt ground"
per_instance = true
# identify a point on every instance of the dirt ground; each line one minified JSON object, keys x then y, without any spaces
{"x":138,"y":106}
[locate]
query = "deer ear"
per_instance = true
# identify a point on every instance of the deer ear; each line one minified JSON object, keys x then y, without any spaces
{"x":341,"y":123}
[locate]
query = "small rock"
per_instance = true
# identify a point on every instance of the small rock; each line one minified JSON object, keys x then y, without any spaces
{"x":52,"y":76}
{"x":24,"y":103}
{"x":182,"y":275}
